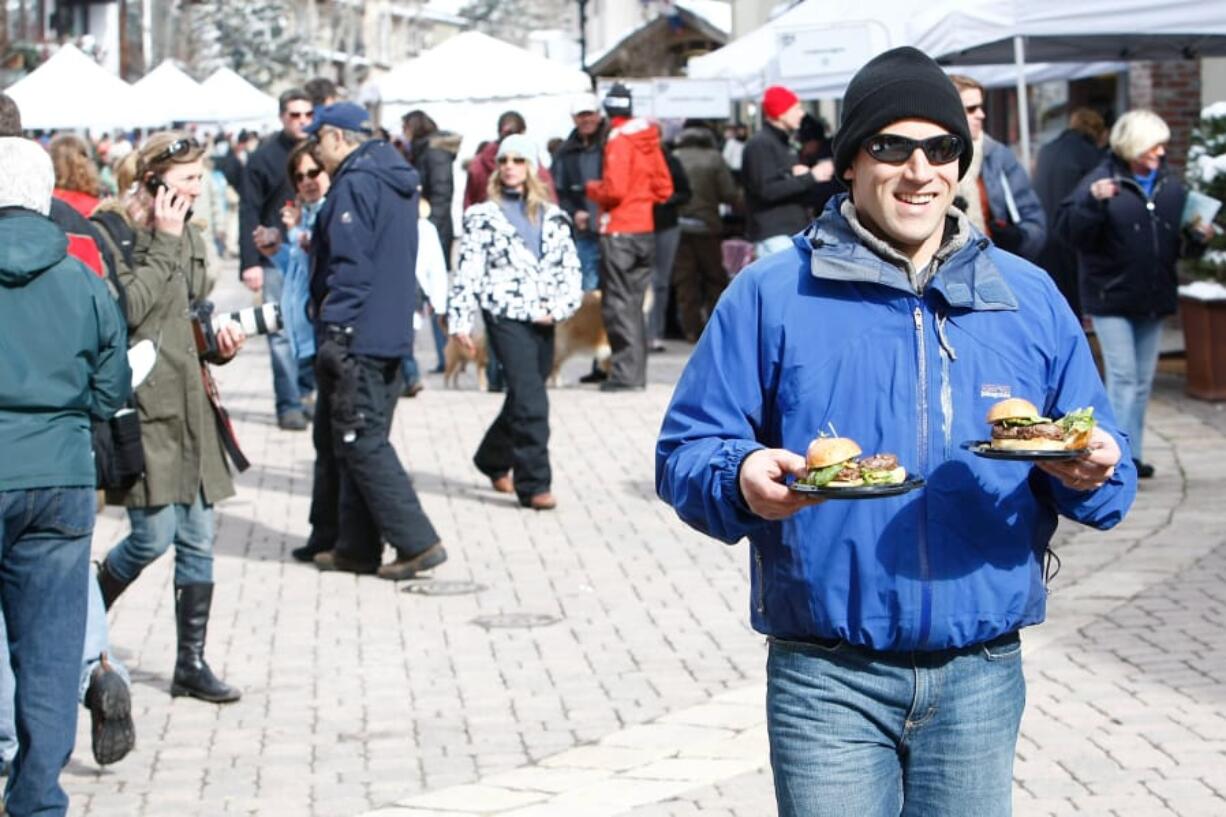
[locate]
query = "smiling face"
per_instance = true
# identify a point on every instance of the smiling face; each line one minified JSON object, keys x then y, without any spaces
{"x":905,"y":204}
{"x":1149,"y":161}
{"x":310,"y":190}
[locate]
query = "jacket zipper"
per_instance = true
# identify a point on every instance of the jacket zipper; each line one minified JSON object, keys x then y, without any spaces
{"x":1151,"y":205}
{"x":922,"y":461}
{"x":757,"y":557}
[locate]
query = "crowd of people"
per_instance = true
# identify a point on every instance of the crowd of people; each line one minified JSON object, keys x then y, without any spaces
{"x":349,"y":232}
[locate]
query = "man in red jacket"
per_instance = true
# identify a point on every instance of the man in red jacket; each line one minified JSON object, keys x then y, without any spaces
{"x":635,"y":179}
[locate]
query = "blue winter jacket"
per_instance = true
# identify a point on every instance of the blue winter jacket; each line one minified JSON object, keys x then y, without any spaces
{"x":1002,"y":170}
{"x":832,"y":334}
{"x":364,"y":252}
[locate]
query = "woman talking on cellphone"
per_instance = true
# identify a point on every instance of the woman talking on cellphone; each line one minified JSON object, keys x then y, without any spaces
{"x":163,"y":270}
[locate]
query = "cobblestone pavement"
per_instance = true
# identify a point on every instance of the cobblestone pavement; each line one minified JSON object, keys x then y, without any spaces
{"x":604,"y":666}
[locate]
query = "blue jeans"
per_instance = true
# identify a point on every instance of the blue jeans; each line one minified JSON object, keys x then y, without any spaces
{"x":1130,"y":357}
{"x":588,"y":247}
{"x":887,"y":734}
{"x":773,"y":244}
{"x":97,"y":641}
{"x":291,"y":378}
{"x":44,"y":568}
{"x":188,"y":527}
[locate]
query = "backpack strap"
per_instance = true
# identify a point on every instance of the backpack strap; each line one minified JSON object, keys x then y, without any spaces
{"x":124,"y":237}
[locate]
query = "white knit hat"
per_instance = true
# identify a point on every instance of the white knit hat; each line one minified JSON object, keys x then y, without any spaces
{"x":26,"y":175}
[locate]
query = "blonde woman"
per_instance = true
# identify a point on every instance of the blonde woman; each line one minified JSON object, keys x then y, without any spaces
{"x":1124,"y":220}
{"x":518,"y":266}
{"x":163,"y":268}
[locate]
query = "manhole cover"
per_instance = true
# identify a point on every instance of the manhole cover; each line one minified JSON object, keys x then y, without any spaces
{"x":515,"y":620}
{"x":431,"y":587}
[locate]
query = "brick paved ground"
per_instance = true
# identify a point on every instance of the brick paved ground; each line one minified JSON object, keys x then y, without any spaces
{"x":643,"y":696}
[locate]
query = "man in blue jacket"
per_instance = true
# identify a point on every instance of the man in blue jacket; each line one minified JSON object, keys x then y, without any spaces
{"x":894,"y":679}
{"x":363,"y":295}
{"x":64,"y":362}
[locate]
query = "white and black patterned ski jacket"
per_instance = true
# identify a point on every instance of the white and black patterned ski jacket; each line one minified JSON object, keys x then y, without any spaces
{"x":499,"y":274}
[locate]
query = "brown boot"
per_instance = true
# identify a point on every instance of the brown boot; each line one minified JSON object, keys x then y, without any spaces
{"x":543,"y":501}
{"x":503,"y":484}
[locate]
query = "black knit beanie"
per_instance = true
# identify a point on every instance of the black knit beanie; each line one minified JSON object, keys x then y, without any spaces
{"x":617,"y":101}
{"x":903,"y":83}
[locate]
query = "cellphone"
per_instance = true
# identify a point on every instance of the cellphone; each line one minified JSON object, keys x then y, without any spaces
{"x":155,"y":183}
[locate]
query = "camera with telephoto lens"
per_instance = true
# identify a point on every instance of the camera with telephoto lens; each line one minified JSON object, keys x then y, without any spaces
{"x":264,"y":319}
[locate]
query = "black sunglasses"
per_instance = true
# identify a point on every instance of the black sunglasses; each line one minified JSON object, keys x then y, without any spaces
{"x":307,"y":174}
{"x":176,"y":149}
{"x":896,"y":150}
{"x":973,"y":109}
{"x":300,"y":114}
{"x":519,"y":160}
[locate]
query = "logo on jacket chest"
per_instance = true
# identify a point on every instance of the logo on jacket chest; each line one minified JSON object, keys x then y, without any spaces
{"x":995,"y":391}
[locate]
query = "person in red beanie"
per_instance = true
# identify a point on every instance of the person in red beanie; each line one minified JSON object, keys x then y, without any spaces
{"x":777,"y":185}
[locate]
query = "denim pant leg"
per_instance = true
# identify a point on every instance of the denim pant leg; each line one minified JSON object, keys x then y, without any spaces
{"x":153,"y":532}
{"x":959,"y":759}
{"x":285,"y":370}
{"x":193,"y":543}
{"x":97,"y":638}
{"x":44,"y":567}
{"x":370,"y":469}
{"x":440,"y":341}
{"x":1130,"y":358}
{"x":8,"y":688}
{"x":588,"y":247}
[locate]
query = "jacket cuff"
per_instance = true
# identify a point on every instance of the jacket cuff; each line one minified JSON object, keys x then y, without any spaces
{"x":732,"y":456}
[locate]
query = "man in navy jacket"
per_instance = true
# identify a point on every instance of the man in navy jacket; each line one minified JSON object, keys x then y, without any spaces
{"x":363,"y":295}
{"x":894,"y":678}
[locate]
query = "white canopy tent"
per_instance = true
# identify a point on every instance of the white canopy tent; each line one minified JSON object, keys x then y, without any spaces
{"x":71,"y":91}
{"x":175,"y":95}
{"x":234,"y":99}
{"x":824,"y":43}
{"x":996,"y":31}
{"x":465,"y":94}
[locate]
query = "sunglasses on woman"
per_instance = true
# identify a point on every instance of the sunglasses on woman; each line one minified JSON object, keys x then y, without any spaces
{"x":896,"y":150}
{"x":175,"y":150}
{"x":519,"y":160}
{"x":303,"y":175}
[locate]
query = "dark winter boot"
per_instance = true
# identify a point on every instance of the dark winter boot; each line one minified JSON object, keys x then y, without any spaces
{"x":110,"y":584}
{"x":192,"y":674}
{"x":110,"y":712}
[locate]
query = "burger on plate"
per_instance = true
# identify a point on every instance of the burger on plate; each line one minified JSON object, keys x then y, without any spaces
{"x":1018,"y":426}
{"x":835,"y":462}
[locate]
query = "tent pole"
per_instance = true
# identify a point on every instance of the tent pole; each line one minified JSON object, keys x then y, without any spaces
{"x":1023,"y":105}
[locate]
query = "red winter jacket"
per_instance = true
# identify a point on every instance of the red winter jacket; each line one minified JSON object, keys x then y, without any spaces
{"x":636,"y":178}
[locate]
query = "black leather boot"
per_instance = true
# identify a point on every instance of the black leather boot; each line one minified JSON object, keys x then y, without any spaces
{"x":110,"y":584}
{"x":192,"y":674}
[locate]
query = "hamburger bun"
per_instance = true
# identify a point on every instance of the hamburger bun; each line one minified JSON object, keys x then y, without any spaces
{"x":1011,"y":409}
{"x":1035,"y":444}
{"x":826,"y":451}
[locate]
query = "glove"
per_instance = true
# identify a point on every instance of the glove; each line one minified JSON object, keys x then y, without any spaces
{"x":1008,"y":237}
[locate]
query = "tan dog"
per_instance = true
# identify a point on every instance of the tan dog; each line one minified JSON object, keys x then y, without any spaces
{"x":581,"y":332}
{"x":456,"y":360}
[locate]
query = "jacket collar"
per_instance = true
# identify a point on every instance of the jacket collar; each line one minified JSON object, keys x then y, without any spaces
{"x":841,"y":249}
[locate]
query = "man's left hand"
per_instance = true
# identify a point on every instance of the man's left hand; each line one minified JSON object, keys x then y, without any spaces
{"x":230,"y":339}
{"x":1090,"y":471}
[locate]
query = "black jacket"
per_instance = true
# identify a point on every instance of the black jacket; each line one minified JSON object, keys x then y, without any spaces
{"x":266,"y":188}
{"x":1061,"y":164}
{"x":364,"y":252}
{"x":433,"y":157}
{"x":664,"y":214}
{"x":776,"y":199}
{"x":576,"y":165}
{"x":1126,"y":252}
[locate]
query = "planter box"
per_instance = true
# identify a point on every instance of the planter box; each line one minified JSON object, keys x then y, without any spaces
{"x":1204,"y":334}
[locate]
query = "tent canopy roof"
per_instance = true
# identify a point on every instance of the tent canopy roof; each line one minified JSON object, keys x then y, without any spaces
{"x":175,"y":95}
{"x":234,"y":99}
{"x":449,"y":72}
{"x":70,"y":90}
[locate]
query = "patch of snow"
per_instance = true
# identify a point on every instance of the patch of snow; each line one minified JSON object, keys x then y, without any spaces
{"x":716,"y":12}
{"x":1214,"y":110}
{"x":1203,"y":291}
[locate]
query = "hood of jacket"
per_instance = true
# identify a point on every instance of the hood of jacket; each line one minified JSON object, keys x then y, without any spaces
{"x":30,"y":244}
{"x":379,"y":159}
{"x":696,"y":138}
{"x":641,"y":133}
{"x":443,"y":140}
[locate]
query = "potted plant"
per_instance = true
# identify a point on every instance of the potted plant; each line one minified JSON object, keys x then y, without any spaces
{"x":1202,"y":301}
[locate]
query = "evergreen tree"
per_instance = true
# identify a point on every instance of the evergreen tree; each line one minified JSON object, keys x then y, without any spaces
{"x":514,"y":20}
{"x":1207,"y":175}
{"x":255,"y":38}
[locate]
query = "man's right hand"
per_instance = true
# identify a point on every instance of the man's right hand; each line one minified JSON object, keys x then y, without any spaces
{"x":800,"y":170}
{"x":763,"y":483}
{"x":823,"y":171}
{"x":253,"y":277}
{"x":583,"y":220}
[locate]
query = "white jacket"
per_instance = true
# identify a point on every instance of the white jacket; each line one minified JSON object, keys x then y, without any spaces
{"x":497,"y":272}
